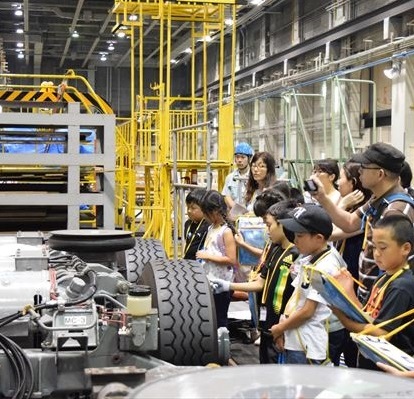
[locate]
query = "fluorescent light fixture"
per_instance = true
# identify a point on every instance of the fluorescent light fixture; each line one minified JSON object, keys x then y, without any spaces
{"x":20,"y":55}
{"x":394,"y":71}
{"x":206,"y":38}
{"x":256,"y":2}
{"x":75,"y":34}
{"x":133,"y":17}
{"x":19,"y":31}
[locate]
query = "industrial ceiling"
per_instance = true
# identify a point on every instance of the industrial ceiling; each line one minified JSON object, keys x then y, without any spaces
{"x":48,"y":31}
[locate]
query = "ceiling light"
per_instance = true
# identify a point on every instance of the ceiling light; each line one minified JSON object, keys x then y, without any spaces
{"x":206,"y":38}
{"x":188,"y":50}
{"x":228,"y":21}
{"x":19,"y":31}
{"x":133,"y":17}
{"x":121,"y":34}
{"x":103,"y":56}
{"x":256,"y":2}
{"x":111,"y":47}
{"x":20,"y":55}
{"x":18,"y":12}
{"x":394,"y":71}
{"x":75,"y":34}
{"x":19,"y":44}
{"x":173,"y":61}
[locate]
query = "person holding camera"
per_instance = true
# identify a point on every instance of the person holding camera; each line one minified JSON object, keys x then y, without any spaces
{"x":327,"y":171}
{"x":379,"y":170}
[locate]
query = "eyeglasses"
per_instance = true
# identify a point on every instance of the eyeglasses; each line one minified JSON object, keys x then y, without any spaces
{"x":362,"y":166}
{"x":258,"y":166}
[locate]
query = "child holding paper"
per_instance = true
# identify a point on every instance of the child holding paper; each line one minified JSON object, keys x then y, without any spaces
{"x":303,"y":329}
{"x":393,"y":291}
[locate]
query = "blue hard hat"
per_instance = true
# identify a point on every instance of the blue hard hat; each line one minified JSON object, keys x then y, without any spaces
{"x":243,"y":149}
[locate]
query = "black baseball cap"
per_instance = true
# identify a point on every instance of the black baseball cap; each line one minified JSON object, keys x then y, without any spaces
{"x":309,"y":218}
{"x":384,"y":155}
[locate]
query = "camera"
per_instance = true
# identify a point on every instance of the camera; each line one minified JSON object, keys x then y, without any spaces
{"x":310,"y":185}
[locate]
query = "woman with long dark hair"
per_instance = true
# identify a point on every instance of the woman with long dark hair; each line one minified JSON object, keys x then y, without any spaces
{"x":261,"y":176}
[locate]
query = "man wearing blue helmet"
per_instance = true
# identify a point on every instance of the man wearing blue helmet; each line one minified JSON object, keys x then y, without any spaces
{"x":235,"y":184}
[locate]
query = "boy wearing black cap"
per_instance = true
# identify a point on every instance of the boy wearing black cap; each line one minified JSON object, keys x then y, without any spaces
{"x":302,"y":331}
{"x":380,"y":167}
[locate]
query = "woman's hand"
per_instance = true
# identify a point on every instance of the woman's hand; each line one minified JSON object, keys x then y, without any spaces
{"x":351,"y":199}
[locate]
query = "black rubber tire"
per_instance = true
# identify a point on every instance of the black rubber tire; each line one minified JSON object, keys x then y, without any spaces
{"x":187,"y":322}
{"x":145,"y":250}
{"x":91,"y":244}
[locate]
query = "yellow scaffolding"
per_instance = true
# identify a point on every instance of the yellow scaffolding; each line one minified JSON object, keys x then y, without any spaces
{"x":145,"y":146}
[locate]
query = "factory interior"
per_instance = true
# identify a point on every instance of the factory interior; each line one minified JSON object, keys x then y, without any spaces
{"x":111,"y":113}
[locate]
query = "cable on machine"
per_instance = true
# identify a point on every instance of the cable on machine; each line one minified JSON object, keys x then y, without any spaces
{"x":21,"y":367}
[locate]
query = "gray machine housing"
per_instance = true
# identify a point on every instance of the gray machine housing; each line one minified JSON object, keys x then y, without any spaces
{"x":76,"y":330}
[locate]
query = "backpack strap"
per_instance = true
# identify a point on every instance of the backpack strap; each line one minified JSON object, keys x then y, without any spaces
{"x":398,"y":197}
{"x":373,"y":212}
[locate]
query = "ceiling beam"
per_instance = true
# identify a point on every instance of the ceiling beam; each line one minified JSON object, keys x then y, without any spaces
{"x":26,"y":30}
{"x":96,"y":41}
{"x":71,"y":29}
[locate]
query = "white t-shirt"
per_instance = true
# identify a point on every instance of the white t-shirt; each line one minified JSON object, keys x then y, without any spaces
{"x":312,"y":336}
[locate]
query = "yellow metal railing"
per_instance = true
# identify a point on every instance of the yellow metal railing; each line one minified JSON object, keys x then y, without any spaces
{"x":154,"y":118}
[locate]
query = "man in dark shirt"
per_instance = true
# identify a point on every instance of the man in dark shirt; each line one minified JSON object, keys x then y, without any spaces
{"x":380,"y":169}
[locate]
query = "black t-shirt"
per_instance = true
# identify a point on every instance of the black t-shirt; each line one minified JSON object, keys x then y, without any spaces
{"x":195,"y":234}
{"x":276,"y":269}
{"x":398,"y":298}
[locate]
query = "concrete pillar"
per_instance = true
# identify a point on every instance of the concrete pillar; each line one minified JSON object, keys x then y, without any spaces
{"x":402,"y":114}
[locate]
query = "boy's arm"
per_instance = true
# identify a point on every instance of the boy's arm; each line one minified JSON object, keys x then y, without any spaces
{"x":355,"y":326}
{"x":250,"y":286}
{"x":296,"y":319}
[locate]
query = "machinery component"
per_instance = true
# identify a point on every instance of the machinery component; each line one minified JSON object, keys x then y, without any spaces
{"x":145,"y":251}
{"x":277,"y":381}
{"x":187,"y":336}
{"x":70,"y":329}
{"x":87,"y":241}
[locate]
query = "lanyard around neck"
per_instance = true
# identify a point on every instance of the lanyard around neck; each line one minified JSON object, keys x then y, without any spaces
{"x":188,"y":245}
{"x":269,"y":279}
{"x":379,"y":294}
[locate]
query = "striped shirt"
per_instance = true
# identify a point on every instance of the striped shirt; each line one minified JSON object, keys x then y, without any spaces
{"x":368,"y":270}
